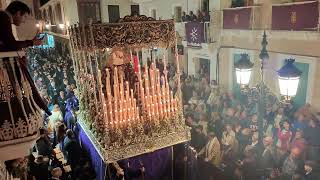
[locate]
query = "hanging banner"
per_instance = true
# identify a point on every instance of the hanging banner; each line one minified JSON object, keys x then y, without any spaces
{"x":195,"y":34}
{"x":296,"y":16}
{"x":237,"y":18}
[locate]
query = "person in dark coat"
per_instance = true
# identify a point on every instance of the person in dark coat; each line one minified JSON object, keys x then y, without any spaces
{"x":185,"y":17}
{"x":43,"y":144}
{"x":268,"y":157}
{"x":16,"y":14}
{"x":40,"y":168}
{"x":72,"y":149}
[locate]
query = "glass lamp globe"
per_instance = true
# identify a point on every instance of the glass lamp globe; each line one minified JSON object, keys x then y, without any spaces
{"x":289,"y":77}
{"x":243,"y":70}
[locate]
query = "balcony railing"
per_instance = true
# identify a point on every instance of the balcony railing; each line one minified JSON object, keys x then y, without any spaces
{"x":20,"y":116}
{"x":242,"y":18}
{"x":300,"y":16}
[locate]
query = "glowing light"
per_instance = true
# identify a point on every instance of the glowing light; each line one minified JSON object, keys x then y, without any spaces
{"x":61,"y":26}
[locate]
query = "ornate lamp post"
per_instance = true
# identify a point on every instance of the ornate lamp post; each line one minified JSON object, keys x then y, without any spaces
{"x":288,"y":76}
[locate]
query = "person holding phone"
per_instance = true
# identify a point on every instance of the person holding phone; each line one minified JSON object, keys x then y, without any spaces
{"x":16,"y":13}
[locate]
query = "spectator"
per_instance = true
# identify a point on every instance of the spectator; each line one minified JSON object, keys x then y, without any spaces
{"x":268,"y":159}
{"x":43,"y":144}
{"x":40,"y":170}
{"x":199,"y":16}
{"x":211,"y":151}
{"x":206,"y":16}
{"x":72,"y":149}
{"x":312,"y":170}
{"x":284,"y":137}
{"x":192,"y":17}
{"x":312,"y":136}
{"x":299,"y":142}
{"x":56,"y":173}
{"x":292,"y":165}
{"x":228,"y":141}
{"x":185,"y":17}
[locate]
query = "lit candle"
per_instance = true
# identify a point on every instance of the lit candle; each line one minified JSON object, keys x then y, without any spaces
{"x":129,"y":108}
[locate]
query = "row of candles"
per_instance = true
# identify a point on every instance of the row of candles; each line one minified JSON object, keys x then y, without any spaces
{"x":157,"y":101}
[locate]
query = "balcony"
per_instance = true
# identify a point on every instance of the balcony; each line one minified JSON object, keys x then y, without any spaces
{"x":245,"y":18}
{"x":299,"y":16}
{"x":195,"y":33}
{"x":21,"y":117}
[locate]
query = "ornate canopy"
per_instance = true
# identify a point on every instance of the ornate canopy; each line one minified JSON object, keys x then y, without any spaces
{"x":130,"y":32}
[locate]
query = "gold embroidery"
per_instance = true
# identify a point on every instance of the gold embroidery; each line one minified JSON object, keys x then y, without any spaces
{"x":293,"y":17}
{"x":236,"y":18}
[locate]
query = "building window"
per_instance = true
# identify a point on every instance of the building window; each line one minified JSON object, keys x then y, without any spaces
{"x":89,"y":11}
{"x":177,"y":13}
{"x":114,"y":13}
{"x":154,"y":13}
{"x":135,"y":10}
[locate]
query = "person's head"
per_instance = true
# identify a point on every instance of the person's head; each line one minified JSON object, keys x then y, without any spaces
{"x":254,"y":118}
{"x":19,"y":12}
{"x":65,"y":81}
{"x":211,"y":134}
{"x":309,"y":165}
{"x":230,"y":112}
{"x":61,"y":93}
{"x":183,"y":13}
{"x":70,"y":134}
{"x":286,"y":125}
{"x":194,"y":94}
{"x":243,"y":114}
{"x":301,"y":117}
{"x":56,"y":108}
{"x":228,"y":127}
{"x":295,"y":153}
{"x":299,"y":134}
{"x":56,"y":172}
{"x":280,"y":111}
{"x":313,"y":123}
{"x":191,"y":12}
{"x":43,"y":132}
{"x":203,"y":117}
{"x":255,"y":137}
{"x":267,"y":141}
{"x":73,"y":86}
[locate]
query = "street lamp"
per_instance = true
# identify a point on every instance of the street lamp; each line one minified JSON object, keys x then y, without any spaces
{"x":289,"y":77}
{"x":243,"y":71}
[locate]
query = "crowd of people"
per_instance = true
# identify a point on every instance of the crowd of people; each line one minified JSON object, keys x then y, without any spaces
{"x":53,"y":75}
{"x":225,"y":134}
{"x":202,"y":16}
